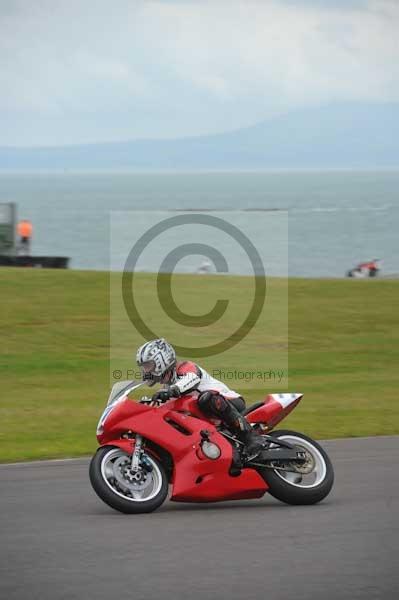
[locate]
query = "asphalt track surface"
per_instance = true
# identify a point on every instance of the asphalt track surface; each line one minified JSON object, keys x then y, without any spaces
{"x":58,"y":540}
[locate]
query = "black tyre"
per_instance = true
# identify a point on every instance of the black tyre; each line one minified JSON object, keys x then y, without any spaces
{"x":305,"y":484}
{"x":121,"y":488}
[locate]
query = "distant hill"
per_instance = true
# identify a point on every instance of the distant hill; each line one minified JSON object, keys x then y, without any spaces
{"x":348,"y":135}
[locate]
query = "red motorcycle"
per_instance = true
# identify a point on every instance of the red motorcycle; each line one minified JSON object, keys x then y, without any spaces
{"x":147,"y":446}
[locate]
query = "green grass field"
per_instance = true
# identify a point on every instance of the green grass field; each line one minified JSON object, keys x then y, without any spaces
{"x":342,"y":348}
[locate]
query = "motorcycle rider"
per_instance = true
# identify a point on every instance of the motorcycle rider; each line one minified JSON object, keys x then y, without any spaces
{"x":157,"y":360}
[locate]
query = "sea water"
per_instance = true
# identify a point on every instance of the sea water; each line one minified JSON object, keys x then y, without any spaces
{"x":316,"y":223}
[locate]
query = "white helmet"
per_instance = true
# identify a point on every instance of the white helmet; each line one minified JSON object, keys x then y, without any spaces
{"x":155,"y":358}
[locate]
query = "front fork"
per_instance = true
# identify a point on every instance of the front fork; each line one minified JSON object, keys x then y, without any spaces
{"x":137,"y":453}
{"x":139,"y":458}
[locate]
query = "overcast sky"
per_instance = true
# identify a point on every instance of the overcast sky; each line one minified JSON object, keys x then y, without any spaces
{"x":76,"y":71}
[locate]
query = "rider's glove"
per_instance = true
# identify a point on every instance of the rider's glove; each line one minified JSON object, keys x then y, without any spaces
{"x":164,"y":395}
{"x":161,"y":396}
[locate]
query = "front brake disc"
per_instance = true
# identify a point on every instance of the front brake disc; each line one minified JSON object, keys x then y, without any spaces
{"x":132,"y":480}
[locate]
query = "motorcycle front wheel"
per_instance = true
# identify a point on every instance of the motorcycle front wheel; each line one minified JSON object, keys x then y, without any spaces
{"x":123,"y":489}
{"x":306,"y":483}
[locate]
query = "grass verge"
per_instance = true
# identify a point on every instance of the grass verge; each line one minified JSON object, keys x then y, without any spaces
{"x":343,"y":351}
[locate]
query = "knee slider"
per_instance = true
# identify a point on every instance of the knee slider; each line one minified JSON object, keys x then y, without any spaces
{"x":204,"y":402}
{"x":213,"y":402}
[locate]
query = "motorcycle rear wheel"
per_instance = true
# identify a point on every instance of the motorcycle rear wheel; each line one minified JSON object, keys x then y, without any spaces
{"x":124,"y":490}
{"x":295,"y":487}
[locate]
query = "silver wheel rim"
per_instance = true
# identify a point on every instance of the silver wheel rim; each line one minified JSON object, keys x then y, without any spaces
{"x":135,"y":487}
{"x":304,"y":480}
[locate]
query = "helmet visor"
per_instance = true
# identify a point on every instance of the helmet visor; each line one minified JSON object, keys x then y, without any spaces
{"x":148,"y":366}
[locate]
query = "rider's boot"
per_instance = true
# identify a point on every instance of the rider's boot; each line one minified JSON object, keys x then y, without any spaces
{"x":253,"y":442}
{"x":237,"y":423}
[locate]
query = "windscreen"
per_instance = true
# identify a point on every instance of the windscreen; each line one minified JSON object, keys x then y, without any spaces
{"x":121,"y":387}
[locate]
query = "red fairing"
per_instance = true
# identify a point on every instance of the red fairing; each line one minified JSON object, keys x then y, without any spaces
{"x":196,"y":478}
{"x":275,"y":408}
{"x":188,"y":405}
